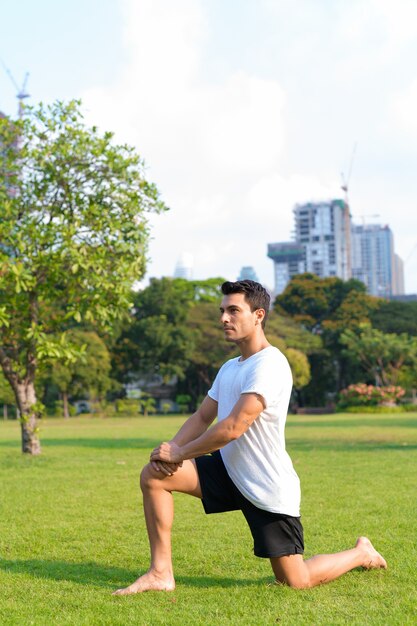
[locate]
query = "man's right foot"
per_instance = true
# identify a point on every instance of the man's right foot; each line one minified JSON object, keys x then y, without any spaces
{"x":147,"y":582}
{"x":372,"y":558}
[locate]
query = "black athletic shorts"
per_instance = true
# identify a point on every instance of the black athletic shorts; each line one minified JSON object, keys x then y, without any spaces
{"x":274,"y":534}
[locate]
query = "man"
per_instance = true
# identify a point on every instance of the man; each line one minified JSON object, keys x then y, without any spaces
{"x":249,"y":468}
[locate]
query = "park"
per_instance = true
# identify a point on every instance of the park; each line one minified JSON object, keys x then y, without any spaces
{"x":72,"y":528}
{"x":73,"y":242}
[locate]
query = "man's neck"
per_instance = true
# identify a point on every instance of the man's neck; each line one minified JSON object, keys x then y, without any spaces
{"x":252,"y":346}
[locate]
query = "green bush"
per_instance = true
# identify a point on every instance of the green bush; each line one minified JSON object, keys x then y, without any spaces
{"x":183,"y":401}
{"x":377,"y":410}
{"x":166,"y":407}
{"x":127,"y":407}
{"x":409,"y":408}
{"x":57,"y":409}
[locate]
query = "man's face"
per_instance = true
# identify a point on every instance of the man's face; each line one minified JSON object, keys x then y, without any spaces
{"x":238,"y":321}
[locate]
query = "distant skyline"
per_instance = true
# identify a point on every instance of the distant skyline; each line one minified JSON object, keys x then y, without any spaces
{"x":240,"y":109}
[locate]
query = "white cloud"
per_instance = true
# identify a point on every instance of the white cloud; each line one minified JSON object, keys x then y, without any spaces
{"x":289,"y":191}
{"x":403,"y":109}
{"x":244,"y":130}
{"x":206,"y":143}
{"x":232,"y":156}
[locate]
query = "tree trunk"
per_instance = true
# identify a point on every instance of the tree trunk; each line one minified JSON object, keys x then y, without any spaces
{"x":5,"y":414}
{"x":26,"y":399}
{"x":65,"y":404}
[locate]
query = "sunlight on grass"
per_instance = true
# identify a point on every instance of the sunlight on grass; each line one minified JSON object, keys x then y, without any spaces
{"x":72,"y":528}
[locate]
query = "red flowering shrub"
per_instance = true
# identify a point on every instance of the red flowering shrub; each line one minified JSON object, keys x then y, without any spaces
{"x":368,"y":395}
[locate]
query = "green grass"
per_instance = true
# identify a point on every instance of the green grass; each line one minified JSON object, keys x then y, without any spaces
{"x":72,"y":528}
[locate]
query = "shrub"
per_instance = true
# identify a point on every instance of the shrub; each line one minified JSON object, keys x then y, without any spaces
{"x":127,"y":407}
{"x":166,"y":407}
{"x":361,"y":395}
{"x":377,"y":410}
{"x":183,"y":402}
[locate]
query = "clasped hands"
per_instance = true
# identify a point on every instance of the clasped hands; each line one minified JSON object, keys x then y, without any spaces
{"x":166,"y":458}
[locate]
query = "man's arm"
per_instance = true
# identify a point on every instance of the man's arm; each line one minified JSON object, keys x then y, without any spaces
{"x":243,"y":414}
{"x":198,"y":423}
{"x":190,"y":430}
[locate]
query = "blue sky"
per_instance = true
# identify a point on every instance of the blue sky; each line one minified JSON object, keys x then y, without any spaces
{"x":240,"y":109}
{"x":65,"y":46}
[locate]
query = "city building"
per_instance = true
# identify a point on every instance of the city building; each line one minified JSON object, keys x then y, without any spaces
{"x":322,"y":243}
{"x":374,"y":261}
{"x":289,"y":260}
{"x":328,"y":244}
{"x":324,"y":230}
{"x":398,"y":286}
{"x":184,"y":267}
{"x":248,"y":273}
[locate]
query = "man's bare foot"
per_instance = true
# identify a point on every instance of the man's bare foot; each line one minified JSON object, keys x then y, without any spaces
{"x":372,"y":558}
{"x":148,"y":582}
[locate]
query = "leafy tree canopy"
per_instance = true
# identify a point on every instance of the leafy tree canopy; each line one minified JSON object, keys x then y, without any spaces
{"x":291,"y":334}
{"x":89,"y":375}
{"x":395,"y":317}
{"x":160,"y":337}
{"x":326,"y":307}
{"x":382,"y":355}
{"x":6,"y":392}
{"x":73,"y":233}
{"x":300,"y":367}
{"x":175,"y":330}
{"x":325,"y":303}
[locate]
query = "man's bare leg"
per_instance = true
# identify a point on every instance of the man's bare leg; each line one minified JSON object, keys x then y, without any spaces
{"x":295,"y":572}
{"x":159,"y":514}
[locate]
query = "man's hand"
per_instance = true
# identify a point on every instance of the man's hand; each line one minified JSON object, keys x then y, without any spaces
{"x":167,"y":452}
{"x":167,"y":469}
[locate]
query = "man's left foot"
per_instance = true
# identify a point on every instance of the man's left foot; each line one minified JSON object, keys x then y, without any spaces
{"x":147,"y":582}
{"x":372,"y":558}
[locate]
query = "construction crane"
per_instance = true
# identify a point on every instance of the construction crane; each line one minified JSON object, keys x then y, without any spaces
{"x":345,"y":180}
{"x":21,"y":94}
{"x":410,"y":254}
{"x":363,"y":217}
{"x":346,"y":226}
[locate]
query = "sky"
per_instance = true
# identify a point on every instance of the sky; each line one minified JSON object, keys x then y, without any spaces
{"x":240,"y":109}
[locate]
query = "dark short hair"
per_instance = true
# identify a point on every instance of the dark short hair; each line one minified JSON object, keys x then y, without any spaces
{"x":255,"y":294}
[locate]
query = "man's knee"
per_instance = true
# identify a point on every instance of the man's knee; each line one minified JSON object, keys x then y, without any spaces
{"x":299,"y":582}
{"x":149,"y":477}
{"x":291,"y":571}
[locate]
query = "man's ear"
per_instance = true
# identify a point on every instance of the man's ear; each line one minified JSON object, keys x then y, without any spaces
{"x":260,"y":314}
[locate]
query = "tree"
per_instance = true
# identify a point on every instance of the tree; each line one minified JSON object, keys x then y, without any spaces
{"x":325,"y":303}
{"x":6,"y":395}
{"x":382,"y":355}
{"x":89,"y":375}
{"x":156,"y":340}
{"x":209,"y":350}
{"x":300,"y":367}
{"x":296,"y":343}
{"x":326,"y":307}
{"x":292,"y":333}
{"x":73,"y":235}
{"x":160,"y":337}
{"x":175,"y":331}
{"x":395,"y":317}
{"x":147,"y":404}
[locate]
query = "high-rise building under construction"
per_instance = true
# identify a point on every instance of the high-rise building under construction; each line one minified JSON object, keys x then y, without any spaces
{"x":321,"y":246}
{"x":328,"y":244}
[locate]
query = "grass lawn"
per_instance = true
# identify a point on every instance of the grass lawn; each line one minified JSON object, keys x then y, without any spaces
{"x":72,"y":528}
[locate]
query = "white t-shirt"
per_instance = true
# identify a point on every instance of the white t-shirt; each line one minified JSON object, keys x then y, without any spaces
{"x":257,"y":461}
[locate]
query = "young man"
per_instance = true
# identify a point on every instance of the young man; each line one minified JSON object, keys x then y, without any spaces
{"x":249,"y":468}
